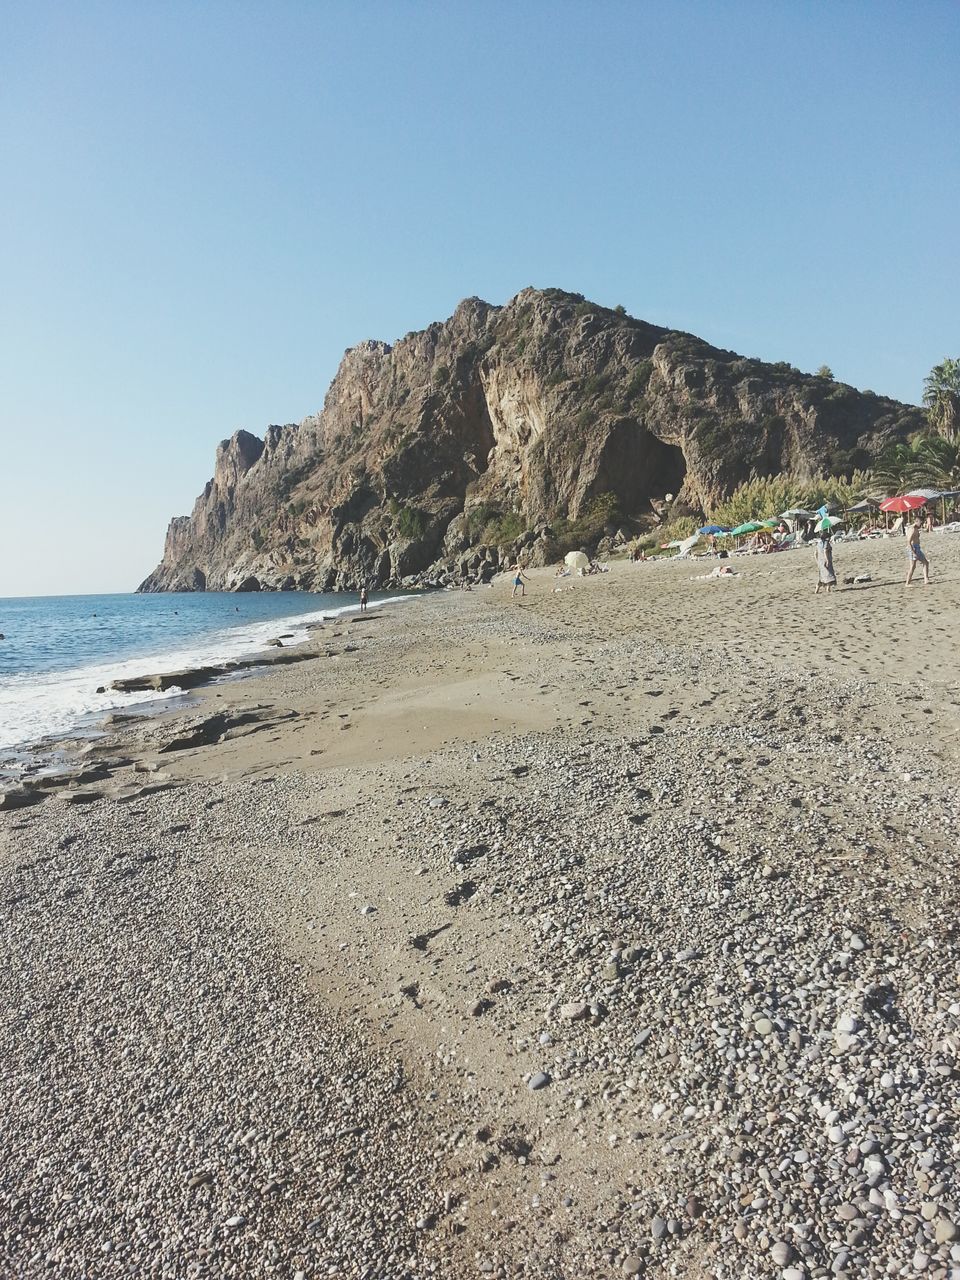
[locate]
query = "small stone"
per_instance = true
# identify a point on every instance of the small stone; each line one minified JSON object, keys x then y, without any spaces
{"x":658,"y":1228}
{"x":763,"y":1027}
{"x":847,"y":1212}
{"x":574,"y":1012}
{"x":781,"y":1253}
{"x":632,"y":1265}
{"x":539,"y":1080}
{"x":236,"y":1221}
{"x":792,"y":1273}
{"x":945,"y":1231}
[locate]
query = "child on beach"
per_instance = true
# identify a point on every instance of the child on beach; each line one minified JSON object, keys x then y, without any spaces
{"x":915,"y":556}
{"x":519,"y":579}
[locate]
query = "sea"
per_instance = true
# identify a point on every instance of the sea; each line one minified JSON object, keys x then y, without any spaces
{"x":57,"y":651}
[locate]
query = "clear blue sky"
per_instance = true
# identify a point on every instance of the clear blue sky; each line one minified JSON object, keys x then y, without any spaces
{"x":205,"y":204}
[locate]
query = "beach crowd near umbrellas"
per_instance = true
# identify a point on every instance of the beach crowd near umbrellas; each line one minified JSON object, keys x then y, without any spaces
{"x":797,"y":520}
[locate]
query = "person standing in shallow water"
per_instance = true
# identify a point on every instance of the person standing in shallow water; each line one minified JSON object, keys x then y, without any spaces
{"x":826,"y":577}
{"x":363,"y":598}
{"x":915,"y":555}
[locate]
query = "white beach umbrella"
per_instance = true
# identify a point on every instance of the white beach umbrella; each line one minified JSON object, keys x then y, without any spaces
{"x":576,"y":560}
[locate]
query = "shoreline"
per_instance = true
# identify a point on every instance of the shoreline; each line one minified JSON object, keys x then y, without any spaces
{"x":172,"y":684}
{"x":607,"y":899}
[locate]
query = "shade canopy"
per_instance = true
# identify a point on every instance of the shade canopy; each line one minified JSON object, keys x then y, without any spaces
{"x":713,"y":528}
{"x":576,"y":560}
{"x":751,"y":526}
{"x":903,"y":502}
{"x":797,"y":513}
{"x":865,"y":504}
{"x":927,"y":495}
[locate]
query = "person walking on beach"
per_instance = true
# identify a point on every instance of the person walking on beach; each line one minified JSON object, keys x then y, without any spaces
{"x":363,"y":598}
{"x":519,"y":578}
{"x":915,"y":556}
{"x":826,"y":577}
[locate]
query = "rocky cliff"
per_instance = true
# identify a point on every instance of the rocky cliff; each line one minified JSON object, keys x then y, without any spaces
{"x":501,"y":428}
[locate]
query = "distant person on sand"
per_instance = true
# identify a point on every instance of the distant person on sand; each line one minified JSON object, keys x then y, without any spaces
{"x":915,"y":555}
{"x":825,"y":574}
{"x":363,"y":598}
{"x":519,"y":578}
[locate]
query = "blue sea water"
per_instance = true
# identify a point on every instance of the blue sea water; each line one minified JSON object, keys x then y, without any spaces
{"x":58,"y":650}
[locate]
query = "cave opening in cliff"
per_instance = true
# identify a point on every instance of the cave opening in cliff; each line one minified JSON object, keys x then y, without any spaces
{"x":666,"y":468}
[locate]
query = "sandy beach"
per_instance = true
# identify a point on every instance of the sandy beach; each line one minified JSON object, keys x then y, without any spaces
{"x":610,"y":931}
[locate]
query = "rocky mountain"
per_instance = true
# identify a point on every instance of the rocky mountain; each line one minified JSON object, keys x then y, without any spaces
{"x":526,"y":428}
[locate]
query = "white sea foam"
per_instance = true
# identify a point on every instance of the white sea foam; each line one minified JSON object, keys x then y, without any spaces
{"x":50,"y":704}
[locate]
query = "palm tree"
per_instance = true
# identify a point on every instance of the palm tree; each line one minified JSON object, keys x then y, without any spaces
{"x":936,"y":463}
{"x":893,"y":470}
{"x":941,"y":395}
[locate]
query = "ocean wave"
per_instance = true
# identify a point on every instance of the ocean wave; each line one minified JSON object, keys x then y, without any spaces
{"x":35,"y":706}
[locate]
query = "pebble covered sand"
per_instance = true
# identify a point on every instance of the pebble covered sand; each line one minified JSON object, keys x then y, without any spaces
{"x":608,"y":932}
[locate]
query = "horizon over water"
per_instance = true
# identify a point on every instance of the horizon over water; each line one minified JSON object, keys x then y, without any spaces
{"x":58,"y":650}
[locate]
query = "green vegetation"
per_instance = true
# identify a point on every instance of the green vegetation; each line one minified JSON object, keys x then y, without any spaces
{"x":824,"y":372}
{"x":762,"y":497}
{"x":492,"y":527}
{"x":441,"y":375}
{"x":941,"y":396}
{"x":411,"y":523}
{"x":929,"y":462}
{"x":620,"y":309}
{"x":257,"y":539}
{"x":637,"y":384}
{"x":571,"y":535}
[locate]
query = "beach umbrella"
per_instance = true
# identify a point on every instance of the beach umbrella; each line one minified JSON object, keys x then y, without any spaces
{"x":926,"y":494}
{"x":859,"y":508}
{"x":827,"y":522}
{"x":751,"y":526}
{"x":770,"y":524}
{"x":903,"y":502}
{"x":797,"y":513}
{"x":576,"y":560}
{"x":713,"y":528}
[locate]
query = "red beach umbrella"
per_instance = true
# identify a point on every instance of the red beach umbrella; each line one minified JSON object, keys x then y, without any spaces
{"x":905,"y":502}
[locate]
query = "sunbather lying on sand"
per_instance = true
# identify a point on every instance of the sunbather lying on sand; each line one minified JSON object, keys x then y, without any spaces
{"x":721,"y":571}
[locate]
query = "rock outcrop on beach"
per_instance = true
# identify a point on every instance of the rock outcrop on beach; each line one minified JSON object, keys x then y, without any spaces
{"x":507,"y":428}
